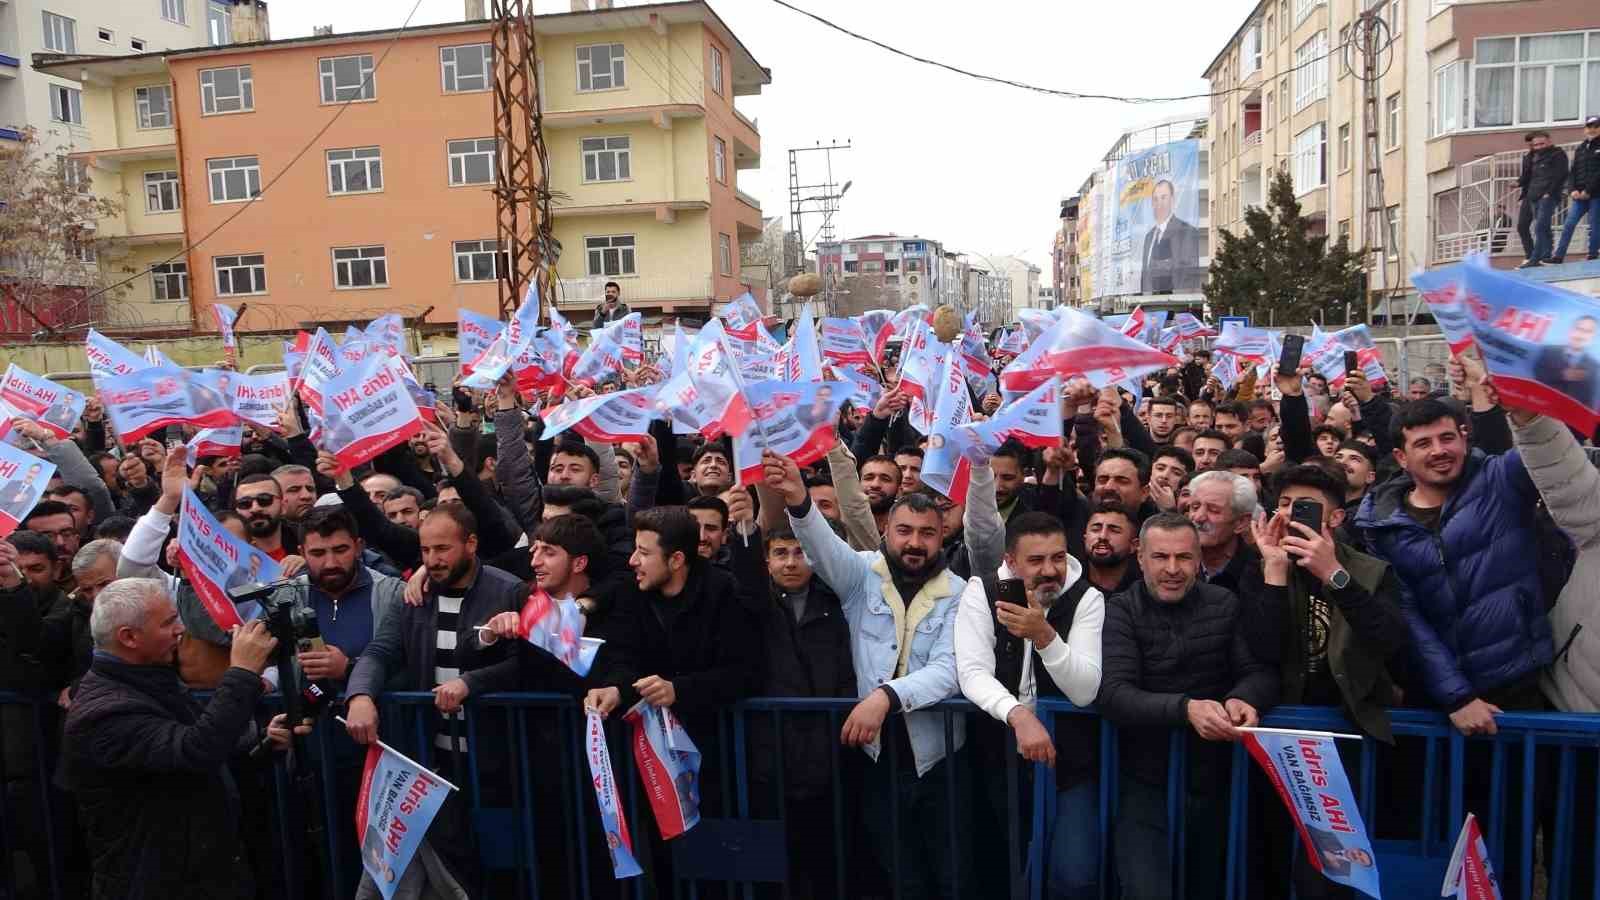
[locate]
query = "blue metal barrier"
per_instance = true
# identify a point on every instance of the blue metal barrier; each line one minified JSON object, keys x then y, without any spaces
{"x":531,"y":821}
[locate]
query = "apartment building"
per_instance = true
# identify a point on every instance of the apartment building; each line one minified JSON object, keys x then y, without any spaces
{"x":51,"y":102}
{"x":1495,"y":72}
{"x":884,"y":271}
{"x":1064,"y":254}
{"x":391,"y":208}
{"x":1289,"y":96}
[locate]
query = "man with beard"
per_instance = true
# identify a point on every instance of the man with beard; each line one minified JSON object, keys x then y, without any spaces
{"x":1175,"y":654}
{"x":350,"y":603}
{"x":1230,"y":419}
{"x":899,"y":596}
{"x":711,"y":515}
{"x":880,"y":481}
{"x":423,"y":457}
{"x":1111,"y":541}
{"x":1165,"y":413}
{"x":435,"y":646}
{"x":680,"y":637}
{"x":259,"y":501}
{"x":1011,"y":492}
{"x":53,"y":519}
{"x":1001,"y":648}
{"x":1458,"y":528}
{"x":1221,"y":505}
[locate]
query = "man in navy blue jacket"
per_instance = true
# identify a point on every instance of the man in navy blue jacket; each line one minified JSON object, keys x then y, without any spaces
{"x":1457,"y":526}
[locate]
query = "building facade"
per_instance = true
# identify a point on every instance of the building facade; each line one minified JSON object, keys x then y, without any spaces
{"x":882,"y":271}
{"x":391,"y":209}
{"x":1290,"y":97}
{"x":1064,"y":254}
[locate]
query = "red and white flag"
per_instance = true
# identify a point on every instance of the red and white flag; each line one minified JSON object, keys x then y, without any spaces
{"x":1470,"y":875}
{"x":944,"y":467}
{"x":1079,"y":344}
{"x":705,"y":396}
{"x":843,"y":342}
{"x":617,"y":417}
{"x":1033,"y":420}
{"x":669,"y":766}
{"x":556,"y":627}
{"x":804,"y":361}
{"x":396,"y":804}
{"x":920,"y":358}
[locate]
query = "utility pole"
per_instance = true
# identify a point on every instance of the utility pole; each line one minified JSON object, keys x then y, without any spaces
{"x":829,"y":196}
{"x":528,"y":249}
{"x":1371,"y":37}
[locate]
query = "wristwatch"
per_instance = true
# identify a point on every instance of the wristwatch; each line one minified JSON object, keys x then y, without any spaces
{"x":1339,"y":580}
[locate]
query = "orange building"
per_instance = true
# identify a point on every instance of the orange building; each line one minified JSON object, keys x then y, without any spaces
{"x":390,"y":208}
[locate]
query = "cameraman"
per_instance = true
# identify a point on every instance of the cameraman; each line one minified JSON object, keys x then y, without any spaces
{"x":148,"y":764}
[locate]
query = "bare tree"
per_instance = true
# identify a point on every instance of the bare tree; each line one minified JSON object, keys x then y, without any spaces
{"x":49,"y":278}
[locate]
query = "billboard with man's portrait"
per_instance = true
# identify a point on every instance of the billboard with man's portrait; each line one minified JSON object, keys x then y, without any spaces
{"x":1152,"y":240}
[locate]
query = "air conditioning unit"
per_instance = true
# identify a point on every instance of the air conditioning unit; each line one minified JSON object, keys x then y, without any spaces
{"x":912,"y":279}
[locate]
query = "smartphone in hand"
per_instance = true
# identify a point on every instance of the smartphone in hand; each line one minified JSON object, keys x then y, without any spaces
{"x":1289,"y":361}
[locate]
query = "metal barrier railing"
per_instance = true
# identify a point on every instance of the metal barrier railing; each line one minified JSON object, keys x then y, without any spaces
{"x":530,"y":818}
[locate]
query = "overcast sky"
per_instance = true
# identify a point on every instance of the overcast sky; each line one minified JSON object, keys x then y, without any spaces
{"x":979,"y":166}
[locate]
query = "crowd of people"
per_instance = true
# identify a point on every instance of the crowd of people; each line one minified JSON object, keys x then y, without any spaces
{"x":1182,"y":561}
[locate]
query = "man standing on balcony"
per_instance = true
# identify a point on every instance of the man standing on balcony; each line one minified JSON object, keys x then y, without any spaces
{"x":1544,"y":174}
{"x":612,"y":309}
{"x":1584,"y":183}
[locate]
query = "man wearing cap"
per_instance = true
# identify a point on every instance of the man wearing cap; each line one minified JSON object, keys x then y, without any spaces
{"x":1544,"y":174}
{"x":1583,"y":183}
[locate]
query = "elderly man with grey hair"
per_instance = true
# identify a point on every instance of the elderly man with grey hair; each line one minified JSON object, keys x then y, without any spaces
{"x":148,"y":764}
{"x":1221,"y":505}
{"x":65,"y":644}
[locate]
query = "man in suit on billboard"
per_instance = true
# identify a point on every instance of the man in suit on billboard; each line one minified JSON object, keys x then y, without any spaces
{"x":1171,"y":258}
{"x":1573,"y":369}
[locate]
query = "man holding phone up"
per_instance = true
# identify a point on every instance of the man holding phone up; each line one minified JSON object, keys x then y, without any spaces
{"x":1039,"y":613}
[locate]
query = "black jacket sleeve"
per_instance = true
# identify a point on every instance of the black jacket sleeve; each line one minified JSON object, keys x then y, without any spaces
{"x":1376,"y":413}
{"x":400,"y":462}
{"x":1491,"y":432}
{"x":670,"y":490}
{"x":1295,"y":428}
{"x":735,"y":672}
{"x":400,"y":544}
{"x":1375,"y":618}
{"x":1134,"y":433}
{"x":496,"y":532}
{"x":869,"y":440}
{"x":154,"y":743}
{"x":1255,"y":681}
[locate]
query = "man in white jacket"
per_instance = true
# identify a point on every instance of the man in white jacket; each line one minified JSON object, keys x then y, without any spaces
{"x":1001,"y":647}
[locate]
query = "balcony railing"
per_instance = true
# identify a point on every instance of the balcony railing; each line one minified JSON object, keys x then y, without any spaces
{"x":1480,"y":213}
{"x":635,"y":289}
{"x":1253,"y":139}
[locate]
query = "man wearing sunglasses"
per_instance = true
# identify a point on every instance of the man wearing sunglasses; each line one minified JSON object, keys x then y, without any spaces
{"x":259,"y":501}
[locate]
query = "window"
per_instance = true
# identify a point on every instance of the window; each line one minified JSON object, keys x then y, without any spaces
{"x":1311,"y":158}
{"x":153,"y":106}
{"x":1344,"y":231}
{"x":1449,"y":100}
{"x":479,"y":260}
{"x":105,"y":36}
{"x":1250,"y":51}
{"x":347,"y":78}
{"x":355,"y":171}
{"x":60,"y":33}
{"x":66,"y":104}
{"x":1303,"y":8}
{"x":466,"y":68}
{"x":891,"y":265}
{"x":360,"y":267}
{"x":1283,"y":99}
{"x":234,"y":178}
{"x":227,"y":90}
{"x":716,"y":70}
{"x":1272,"y":33}
{"x":610,"y":254}
{"x":606,"y":159}
{"x":219,"y":23}
{"x":83,"y":251}
{"x":1343,"y":49}
{"x":719,"y":159}
{"x":171,"y":281}
{"x":1391,"y":109}
{"x":867,"y":265}
{"x":851,"y":265}
{"x":1266,"y":110}
{"x":1311,"y":71}
{"x":1344,"y":148}
{"x":161,"y":192}
{"x":724,"y":254}
{"x":136,"y":44}
{"x":75,"y":172}
{"x":1535,"y":80}
{"x":1391,"y":218}
{"x":601,"y":67}
{"x":471,"y":161}
{"x":174,"y":11}
{"x":240,"y":274}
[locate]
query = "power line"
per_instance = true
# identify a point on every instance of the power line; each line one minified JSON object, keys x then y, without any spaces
{"x":339,"y":111}
{"x":1054,"y":92}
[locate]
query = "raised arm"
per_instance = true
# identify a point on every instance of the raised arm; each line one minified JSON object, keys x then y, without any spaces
{"x":1562,"y":472}
{"x":860,"y":526}
{"x":981,"y":525}
{"x":840,"y":568}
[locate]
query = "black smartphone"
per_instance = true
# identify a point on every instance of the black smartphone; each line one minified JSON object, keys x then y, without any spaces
{"x":1306,"y":512}
{"x":463,"y":400}
{"x":1352,"y":361}
{"x":1013,"y":591}
{"x":1289,"y":361}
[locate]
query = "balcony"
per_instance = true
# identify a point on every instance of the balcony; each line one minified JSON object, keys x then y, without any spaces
{"x":666,"y":291}
{"x":1480,"y":213}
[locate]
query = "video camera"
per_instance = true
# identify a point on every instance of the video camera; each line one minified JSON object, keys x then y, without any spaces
{"x":295,"y":627}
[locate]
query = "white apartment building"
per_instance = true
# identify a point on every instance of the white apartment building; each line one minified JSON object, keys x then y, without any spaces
{"x":53,"y":104}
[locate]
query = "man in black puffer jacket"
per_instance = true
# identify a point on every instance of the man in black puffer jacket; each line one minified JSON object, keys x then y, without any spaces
{"x":1175,"y":654}
{"x":148,"y":764}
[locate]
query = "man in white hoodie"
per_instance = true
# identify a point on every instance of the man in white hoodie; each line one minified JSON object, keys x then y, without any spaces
{"x":1001,"y":647}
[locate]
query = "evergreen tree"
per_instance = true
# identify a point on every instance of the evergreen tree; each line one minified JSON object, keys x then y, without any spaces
{"x":1279,"y":265}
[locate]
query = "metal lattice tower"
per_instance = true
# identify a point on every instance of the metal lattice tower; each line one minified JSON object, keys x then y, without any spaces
{"x":522,"y":171}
